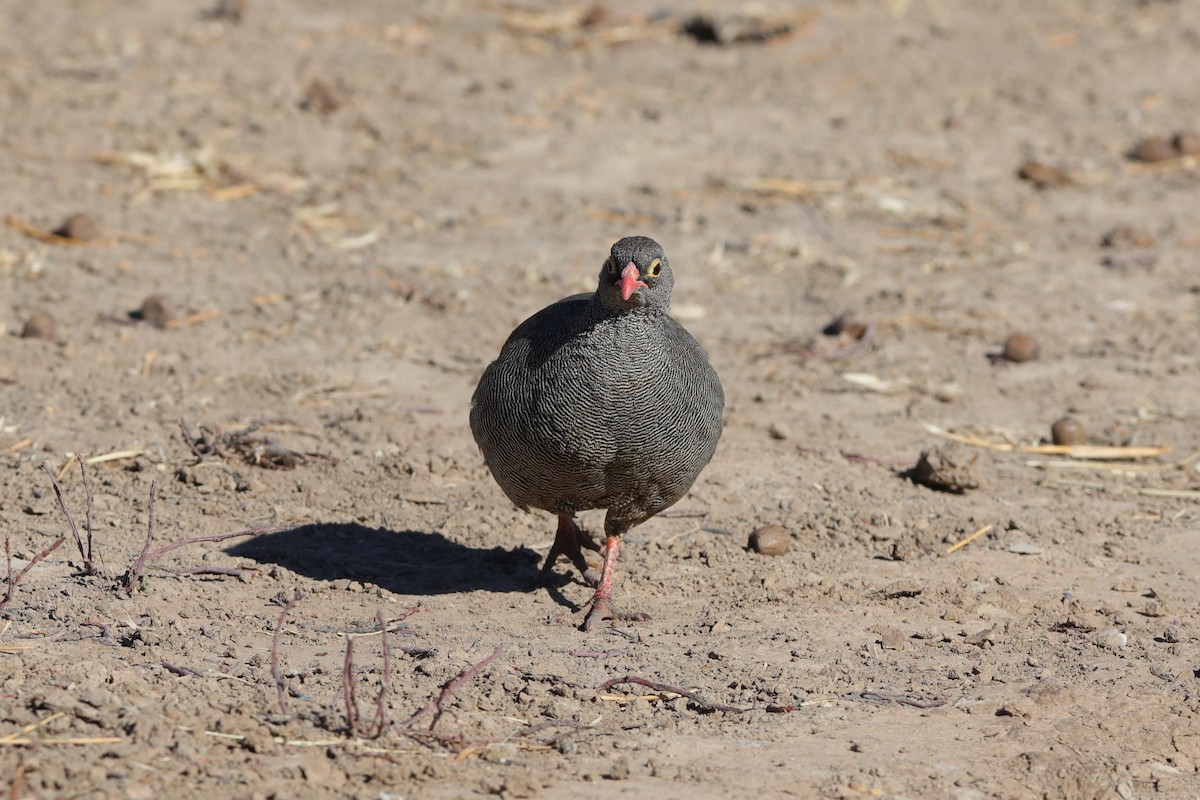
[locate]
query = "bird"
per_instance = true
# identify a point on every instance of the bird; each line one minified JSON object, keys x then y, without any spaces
{"x":600,"y":401}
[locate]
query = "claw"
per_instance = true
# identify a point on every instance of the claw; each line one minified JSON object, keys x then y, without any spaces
{"x":602,"y":605}
{"x":569,"y":541}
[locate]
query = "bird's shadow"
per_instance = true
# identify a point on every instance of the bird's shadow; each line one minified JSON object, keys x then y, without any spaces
{"x":403,"y":562}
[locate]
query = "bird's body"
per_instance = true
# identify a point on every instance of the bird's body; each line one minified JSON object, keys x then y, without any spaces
{"x":601,"y":401}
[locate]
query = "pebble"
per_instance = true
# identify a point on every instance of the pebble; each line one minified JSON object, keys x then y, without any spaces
{"x":1110,"y":638}
{"x":1025,"y":549}
{"x":40,"y":326}
{"x":1126,"y":236}
{"x":154,"y":309}
{"x":80,"y":227}
{"x":1043,"y":176}
{"x":1021,"y":347}
{"x":1152,"y":149}
{"x":1187,"y":143}
{"x":770,"y":540}
{"x":948,"y":468}
{"x":320,"y":98}
{"x":1067,"y":431}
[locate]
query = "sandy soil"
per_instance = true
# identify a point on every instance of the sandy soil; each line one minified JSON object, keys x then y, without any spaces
{"x":347,"y":210}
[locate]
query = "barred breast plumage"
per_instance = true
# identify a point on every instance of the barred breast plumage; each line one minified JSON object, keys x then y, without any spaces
{"x":601,"y":401}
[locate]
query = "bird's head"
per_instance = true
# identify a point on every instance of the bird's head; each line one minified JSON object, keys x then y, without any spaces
{"x":635,"y":275}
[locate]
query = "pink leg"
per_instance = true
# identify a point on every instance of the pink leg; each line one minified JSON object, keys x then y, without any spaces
{"x":602,"y":607}
{"x":569,"y":540}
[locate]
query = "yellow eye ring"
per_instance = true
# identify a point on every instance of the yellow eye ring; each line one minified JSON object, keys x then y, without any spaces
{"x":613,"y":269}
{"x":654,"y":269}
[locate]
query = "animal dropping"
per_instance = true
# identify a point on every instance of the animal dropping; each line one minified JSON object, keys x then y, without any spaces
{"x":600,"y":401}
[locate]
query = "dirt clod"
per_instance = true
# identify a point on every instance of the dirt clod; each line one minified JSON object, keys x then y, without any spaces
{"x":40,"y":326}
{"x":80,"y":227}
{"x":154,"y":310}
{"x":770,"y":540}
{"x":1067,"y":431}
{"x":321,"y":98}
{"x":1187,"y":143}
{"x":1020,"y":347}
{"x":1153,"y":149}
{"x":947,"y":467}
{"x":1126,"y":236}
{"x":1044,"y":176}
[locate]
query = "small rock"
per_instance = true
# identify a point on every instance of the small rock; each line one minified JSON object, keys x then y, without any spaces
{"x":228,"y":10}
{"x":154,"y":310}
{"x":1171,"y":634}
{"x":948,"y":468}
{"x":770,"y":540}
{"x":1187,"y":143}
{"x":1152,"y":149}
{"x":1126,"y":585}
{"x":777,"y":431}
{"x":1067,"y":431}
{"x":844,"y":324}
{"x":1025,"y":549}
{"x":1020,"y":347}
{"x":1013,"y":709}
{"x":892,"y":639}
{"x":80,"y":227}
{"x":1126,"y":236}
{"x":1044,"y":176}
{"x":1155,"y":608}
{"x":1110,"y":638}
{"x":320,"y":98}
{"x":40,"y":326}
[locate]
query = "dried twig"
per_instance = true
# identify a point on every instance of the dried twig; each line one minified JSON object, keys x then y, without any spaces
{"x":14,"y":580}
{"x":348,"y":687}
{"x":62,"y":504}
{"x":131,"y":577}
{"x":449,"y":689}
{"x":662,"y":687}
{"x":961,"y":543}
{"x":385,"y":682}
{"x":276,"y":672}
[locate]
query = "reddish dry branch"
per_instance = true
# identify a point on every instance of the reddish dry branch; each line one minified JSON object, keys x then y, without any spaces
{"x":601,"y":654}
{"x":385,"y":682}
{"x":135,"y":571}
{"x":662,"y":687}
{"x":450,"y":688}
{"x":14,"y":580}
{"x":348,"y":687}
{"x":62,"y":504}
{"x":276,"y":672}
{"x":220,"y":537}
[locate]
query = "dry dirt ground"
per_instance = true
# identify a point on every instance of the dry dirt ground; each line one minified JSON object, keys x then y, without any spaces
{"x":348,"y":207}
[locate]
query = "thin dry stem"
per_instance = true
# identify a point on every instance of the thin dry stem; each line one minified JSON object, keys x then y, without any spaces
{"x":662,"y":687}
{"x":385,"y":682}
{"x":62,"y":504}
{"x":136,"y":570}
{"x":449,"y":690}
{"x":276,"y":672}
{"x":13,"y":581}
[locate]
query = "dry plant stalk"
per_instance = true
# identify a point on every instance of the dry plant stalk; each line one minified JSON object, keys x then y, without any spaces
{"x":147,"y":555}
{"x":348,"y":687}
{"x":14,"y":580}
{"x":662,"y":687}
{"x":88,"y":566}
{"x":276,"y":672}
{"x":450,"y":688}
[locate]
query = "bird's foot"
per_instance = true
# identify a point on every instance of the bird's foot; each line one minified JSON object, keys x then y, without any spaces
{"x":569,"y":541}
{"x":602,"y":609}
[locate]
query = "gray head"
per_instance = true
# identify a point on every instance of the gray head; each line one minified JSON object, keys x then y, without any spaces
{"x":636,"y":275}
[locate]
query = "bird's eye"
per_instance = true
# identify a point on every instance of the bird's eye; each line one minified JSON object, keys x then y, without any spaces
{"x":612,"y":265}
{"x":654,"y":268}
